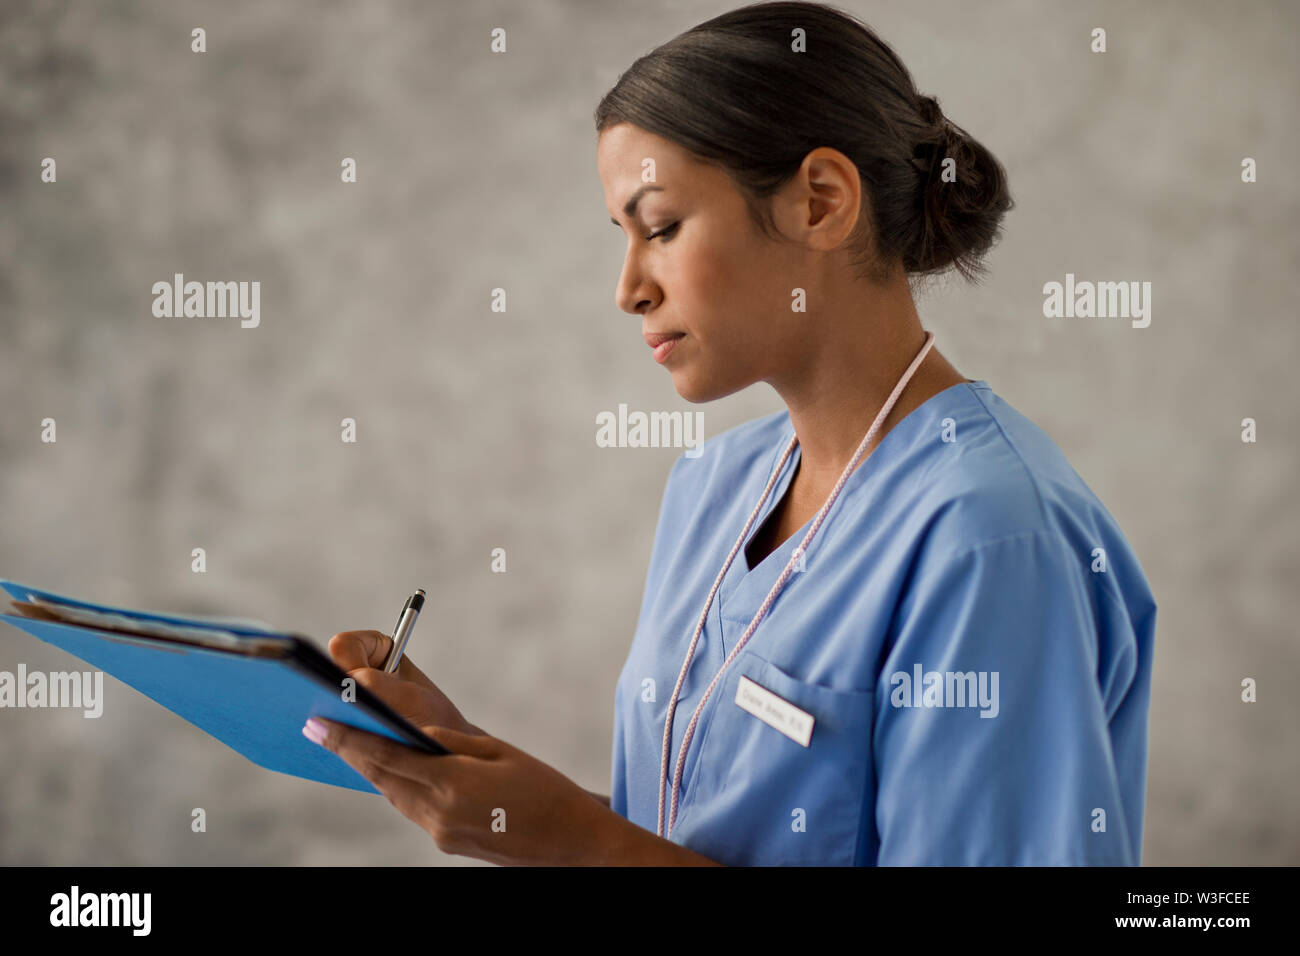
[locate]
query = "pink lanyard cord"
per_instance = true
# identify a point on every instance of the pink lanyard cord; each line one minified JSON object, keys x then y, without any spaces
{"x":767,"y":602}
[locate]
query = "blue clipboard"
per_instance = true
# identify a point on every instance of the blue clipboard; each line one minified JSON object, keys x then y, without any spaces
{"x":254,"y":694}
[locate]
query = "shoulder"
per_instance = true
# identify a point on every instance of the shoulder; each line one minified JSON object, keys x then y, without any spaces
{"x":984,"y":472}
{"x":1000,"y":480}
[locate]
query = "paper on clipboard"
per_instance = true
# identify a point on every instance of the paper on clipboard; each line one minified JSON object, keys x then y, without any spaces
{"x":185,"y":620}
{"x":125,"y":623}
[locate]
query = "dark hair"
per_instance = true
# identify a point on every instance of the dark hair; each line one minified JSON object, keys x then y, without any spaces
{"x":733,"y":92}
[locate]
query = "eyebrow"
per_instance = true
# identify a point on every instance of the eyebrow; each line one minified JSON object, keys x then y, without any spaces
{"x":629,"y":208}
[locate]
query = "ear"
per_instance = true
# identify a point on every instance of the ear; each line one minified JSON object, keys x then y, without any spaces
{"x":821,"y":204}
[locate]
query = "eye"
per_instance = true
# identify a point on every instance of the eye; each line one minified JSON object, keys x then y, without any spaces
{"x":667,"y":232}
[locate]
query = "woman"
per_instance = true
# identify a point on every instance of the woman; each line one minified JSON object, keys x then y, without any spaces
{"x":888,"y":625}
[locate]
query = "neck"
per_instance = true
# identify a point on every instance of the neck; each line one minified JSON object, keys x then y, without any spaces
{"x":839,"y":384}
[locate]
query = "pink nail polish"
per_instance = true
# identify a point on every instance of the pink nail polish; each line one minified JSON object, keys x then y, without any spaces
{"x":314,"y":731}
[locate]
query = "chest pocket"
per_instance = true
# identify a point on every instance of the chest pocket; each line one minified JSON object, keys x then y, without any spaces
{"x":759,"y":798}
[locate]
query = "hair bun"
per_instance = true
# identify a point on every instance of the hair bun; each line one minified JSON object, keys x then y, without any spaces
{"x":930,"y":112}
{"x":960,"y":220}
{"x":937,"y":139}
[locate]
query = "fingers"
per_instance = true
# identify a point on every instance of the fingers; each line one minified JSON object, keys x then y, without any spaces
{"x":433,"y":791}
{"x":408,"y":699}
{"x":414,"y":787}
{"x":374,"y":756}
{"x":466,"y":744}
{"x":354,"y":649}
{"x":407,"y":670}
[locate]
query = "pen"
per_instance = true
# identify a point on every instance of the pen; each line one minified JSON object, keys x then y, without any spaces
{"x":402,"y":632}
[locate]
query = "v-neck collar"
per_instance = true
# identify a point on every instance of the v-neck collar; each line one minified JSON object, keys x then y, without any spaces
{"x":743,"y":588}
{"x":779,"y":491}
{"x":741,"y":579}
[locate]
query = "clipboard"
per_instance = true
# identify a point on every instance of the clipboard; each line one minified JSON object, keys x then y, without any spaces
{"x":245,"y":683}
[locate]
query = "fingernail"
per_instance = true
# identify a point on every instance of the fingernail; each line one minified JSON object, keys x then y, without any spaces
{"x":314,"y":731}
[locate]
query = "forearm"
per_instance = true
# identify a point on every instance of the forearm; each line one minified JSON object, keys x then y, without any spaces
{"x":635,"y":846}
{"x":618,"y":841}
{"x":613,"y":840}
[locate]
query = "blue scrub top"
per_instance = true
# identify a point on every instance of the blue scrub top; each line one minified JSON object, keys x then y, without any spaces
{"x":971,"y":634}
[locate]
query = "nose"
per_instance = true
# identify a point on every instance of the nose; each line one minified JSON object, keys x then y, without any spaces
{"x":635,"y":293}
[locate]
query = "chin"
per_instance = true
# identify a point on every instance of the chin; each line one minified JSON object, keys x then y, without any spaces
{"x":697,"y":390}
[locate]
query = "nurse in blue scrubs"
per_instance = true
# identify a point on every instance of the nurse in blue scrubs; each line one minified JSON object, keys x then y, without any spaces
{"x":888,"y":624}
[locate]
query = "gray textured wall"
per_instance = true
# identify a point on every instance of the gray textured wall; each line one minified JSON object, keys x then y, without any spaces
{"x":476,"y":429}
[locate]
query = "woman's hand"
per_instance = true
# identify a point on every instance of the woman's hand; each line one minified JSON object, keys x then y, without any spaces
{"x":487,"y":799}
{"x":361,"y":654}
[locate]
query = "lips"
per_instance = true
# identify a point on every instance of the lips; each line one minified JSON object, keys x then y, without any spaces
{"x":656,"y":339}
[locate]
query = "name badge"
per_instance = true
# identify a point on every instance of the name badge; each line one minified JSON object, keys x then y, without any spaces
{"x":774,"y":711}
